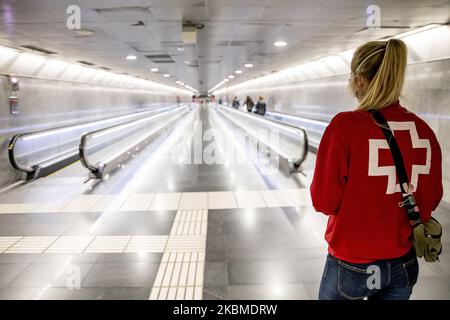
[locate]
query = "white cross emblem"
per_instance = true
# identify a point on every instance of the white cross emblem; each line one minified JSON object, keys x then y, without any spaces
{"x":389,"y":171}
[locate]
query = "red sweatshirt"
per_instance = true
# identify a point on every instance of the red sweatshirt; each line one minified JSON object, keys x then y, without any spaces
{"x":356,"y":185}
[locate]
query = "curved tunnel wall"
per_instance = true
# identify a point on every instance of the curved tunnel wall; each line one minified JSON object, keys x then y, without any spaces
{"x":55,"y":93}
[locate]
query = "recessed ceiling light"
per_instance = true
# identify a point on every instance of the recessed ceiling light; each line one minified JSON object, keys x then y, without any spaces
{"x":131,"y":57}
{"x":238,"y":71}
{"x":181,"y":49}
{"x":226,"y":80}
{"x":280,"y":44}
{"x":248,"y":65}
{"x":154,"y":69}
{"x":84,"y":32}
{"x":166,"y":75}
{"x":187,"y":62}
{"x":182,"y":83}
{"x":231,"y":76}
{"x":178,"y":82}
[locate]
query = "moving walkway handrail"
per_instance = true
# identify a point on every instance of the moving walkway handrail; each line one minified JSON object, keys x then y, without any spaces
{"x":314,"y":127}
{"x":301,"y":131}
{"x":94,"y":168}
{"x":11,"y":147}
{"x":30,"y":169}
{"x":293,"y":115}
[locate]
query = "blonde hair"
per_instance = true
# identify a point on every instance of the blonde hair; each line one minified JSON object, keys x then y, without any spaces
{"x":383,"y":64}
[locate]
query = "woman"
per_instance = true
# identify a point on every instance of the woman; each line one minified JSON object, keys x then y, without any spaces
{"x":249,"y":104}
{"x":369,"y":236}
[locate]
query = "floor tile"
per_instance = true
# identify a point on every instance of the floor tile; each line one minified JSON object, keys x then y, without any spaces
{"x":166,"y":201}
{"x":249,"y":199}
{"x":117,"y":293}
{"x":49,"y":206}
{"x":109,"y":203}
{"x":82,"y":203}
{"x":43,"y":275}
{"x":19,"y":208}
{"x":138,"y":202}
{"x":277,"y":198}
{"x":121,"y":274}
{"x":221,"y":200}
{"x":31,"y":244}
{"x":302,"y":197}
{"x":194,"y":200}
{"x":8,"y":271}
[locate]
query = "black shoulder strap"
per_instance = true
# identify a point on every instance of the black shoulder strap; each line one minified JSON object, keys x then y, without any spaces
{"x":395,"y":150}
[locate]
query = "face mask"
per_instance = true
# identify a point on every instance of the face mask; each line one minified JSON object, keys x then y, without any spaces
{"x":350,"y":90}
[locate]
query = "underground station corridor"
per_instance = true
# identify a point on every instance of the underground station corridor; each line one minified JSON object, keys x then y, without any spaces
{"x":224,"y":150}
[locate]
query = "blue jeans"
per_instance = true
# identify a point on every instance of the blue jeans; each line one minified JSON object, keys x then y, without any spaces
{"x":391,"y":279}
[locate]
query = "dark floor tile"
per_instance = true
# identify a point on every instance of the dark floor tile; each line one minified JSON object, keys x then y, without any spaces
{"x":215,"y":293}
{"x":257,"y":254}
{"x":8,"y":271}
{"x":312,"y":289}
{"x":216,"y":274}
{"x":43,"y":228}
{"x":10,"y":228}
{"x":271,"y":272}
{"x":143,"y":227}
{"x":72,"y":258}
{"x":253,"y":226}
{"x":18,"y":258}
{"x":117,"y":293}
{"x":35,"y":294}
{"x":40,"y":275}
{"x":152,"y":216}
{"x":268,"y":292}
{"x":121,"y":274}
{"x":431,"y":288}
{"x":300,"y":254}
{"x":215,"y":227}
{"x":254,"y":242}
{"x":52,"y":217}
{"x":310,"y":270}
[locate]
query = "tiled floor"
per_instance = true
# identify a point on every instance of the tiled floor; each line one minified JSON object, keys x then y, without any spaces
{"x":158,"y":230}
{"x":167,"y":201}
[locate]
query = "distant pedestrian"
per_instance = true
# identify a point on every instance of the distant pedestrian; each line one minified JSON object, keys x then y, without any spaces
{"x":260,"y":107}
{"x":235,"y":103}
{"x":249,"y":104}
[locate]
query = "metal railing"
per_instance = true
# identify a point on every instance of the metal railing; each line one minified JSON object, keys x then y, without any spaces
{"x":314,"y":128}
{"x":291,"y":143}
{"x":42,"y":152}
{"x":102,"y":150}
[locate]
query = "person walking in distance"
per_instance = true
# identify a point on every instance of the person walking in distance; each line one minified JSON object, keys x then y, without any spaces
{"x":260,"y":107}
{"x":249,"y":104}
{"x":235,"y":104}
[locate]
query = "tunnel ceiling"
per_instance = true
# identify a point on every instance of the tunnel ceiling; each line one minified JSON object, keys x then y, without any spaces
{"x":234,"y":32}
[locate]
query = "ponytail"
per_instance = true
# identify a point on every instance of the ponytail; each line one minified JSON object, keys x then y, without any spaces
{"x":383,"y":64}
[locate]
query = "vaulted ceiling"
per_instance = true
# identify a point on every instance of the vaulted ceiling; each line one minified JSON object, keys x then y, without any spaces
{"x":235,"y":32}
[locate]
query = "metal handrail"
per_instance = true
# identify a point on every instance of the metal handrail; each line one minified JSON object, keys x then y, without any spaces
{"x":12,"y":158}
{"x":94,"y":169}
{"x":300,"y":130}
{"x":320,"y":122}
{"x":30,"y":169}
